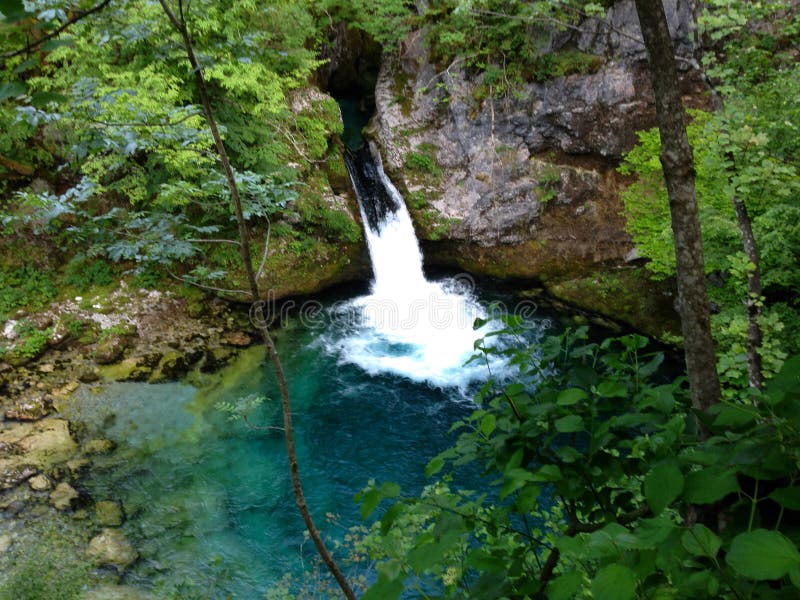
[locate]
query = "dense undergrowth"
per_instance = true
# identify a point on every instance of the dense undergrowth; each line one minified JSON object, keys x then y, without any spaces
{"x":603,"y":483}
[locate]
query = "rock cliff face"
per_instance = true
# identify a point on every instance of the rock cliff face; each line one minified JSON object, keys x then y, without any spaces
{"x":524,"y":186}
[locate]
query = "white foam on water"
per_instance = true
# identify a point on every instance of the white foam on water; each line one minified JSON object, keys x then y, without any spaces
{"x":407,"y":325}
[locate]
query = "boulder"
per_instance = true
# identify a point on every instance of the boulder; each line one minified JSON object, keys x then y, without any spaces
{"x":28,"y":448}
{"x":30,"y":407}
{"x":525,"y":186}
{"x":108,"y":513}
{"x":237,"y":339}
{"x":64,"y":496}
{"x":112,"y":548}
{"x":39,"y":483}
{"x":12,"y":476}
{"x":110,"y":350}
{"x":98,"y":446}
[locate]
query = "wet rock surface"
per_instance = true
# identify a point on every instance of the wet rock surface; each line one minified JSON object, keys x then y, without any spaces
{"x":112,"y":548}
{"x":524,"y":186}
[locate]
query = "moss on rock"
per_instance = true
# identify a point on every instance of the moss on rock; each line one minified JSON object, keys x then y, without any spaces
{"x":623,"y":294}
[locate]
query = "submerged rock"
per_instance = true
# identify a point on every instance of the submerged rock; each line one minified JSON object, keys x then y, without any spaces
{"x":39,"y":483}
{"x":108,"y":513}
{"x":98,"y":446}
{"x":13,"y":476}
{"x":27,"y":448}
{"x":64,"y":497}
{"x":112,"y":548}
{"x":30,"y":408}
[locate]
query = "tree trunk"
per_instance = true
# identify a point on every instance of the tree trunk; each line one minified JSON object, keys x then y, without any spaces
{"x":244,"y":248}
{"x":678,"y":164}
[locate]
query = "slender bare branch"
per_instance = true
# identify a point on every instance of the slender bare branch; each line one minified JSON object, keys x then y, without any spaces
{"x":244,"y":246}
{"x":205,"y":287}
{"x":266,"y":251}
{"x":55,"y":33}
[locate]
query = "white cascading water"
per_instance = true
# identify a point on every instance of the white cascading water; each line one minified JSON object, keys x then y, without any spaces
{"x":409,"y":326}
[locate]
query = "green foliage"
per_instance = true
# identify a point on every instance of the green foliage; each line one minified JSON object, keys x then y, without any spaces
{"x":25,"y":287}
{"x":83,"y":273}
{"x":647,"y":207}
{"x":747,"y":151}
{"x":562,"y":63}
{"x":547,"y":184}
{"x":508,"y":42}
{"x":594,"y":460}
{"x":114,"y":104}
{"x":423,"y":160}
{"x":387,"y":22}
{"x":417,"y":200}
{"x":241,"y":407}
{"x":47,"y":568}
{"x":334,"y":223}
{"x":32,"y":341}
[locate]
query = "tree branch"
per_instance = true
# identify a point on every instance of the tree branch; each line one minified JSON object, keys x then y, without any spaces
{"x":78,"y":16}
{"x":244,"y":246}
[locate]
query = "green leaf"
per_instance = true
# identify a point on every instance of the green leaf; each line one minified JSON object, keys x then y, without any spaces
{"x":571,"y":396}
{"x":614,"y":582}
{"x":569,"y":424}
{"x":41,"y":99}
{"x":390,"y":489}
{"x":787,"y":497}
{"x":384,"y":589}
{"x":651,"y":367}
{"x":488,"y":424}
{"x":481,"y":560}
{"x":478,"y":323}
{"x":427,"y":556}
{"x":794,"y":577}
{"x":611,"y":388}
{"x":652,"y":532}
{"x":547,"y":473}
{"x":12,"y":90}
{"x":762,"y":555}
{"x":51,"y":45}
{"x":12,"y":10}
{"x":390,"y":516}
{"x":734,"y":416}
{"x":662,"y":485}
{"x":565,"y":587}
{"x":786,"y":382}
{"x":568,"y":454}
{"x":434,"y":466}
{"x":701,"y":541}
{"x":369,"y":502}
{"x":528,"y":498}
{"x":709,"y":485}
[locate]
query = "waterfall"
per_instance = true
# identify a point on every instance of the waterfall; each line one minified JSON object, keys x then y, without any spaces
{"x":407,"y":326}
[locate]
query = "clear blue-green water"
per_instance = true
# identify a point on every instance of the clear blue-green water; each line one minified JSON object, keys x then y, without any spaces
{"x":209,"y":501}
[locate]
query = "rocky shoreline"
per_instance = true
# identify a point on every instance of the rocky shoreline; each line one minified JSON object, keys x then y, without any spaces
{"x":125,"y":335}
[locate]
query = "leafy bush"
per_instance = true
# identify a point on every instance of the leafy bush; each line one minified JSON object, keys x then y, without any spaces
{"x":334,"y":224}
{"x":26,"y":287}
{"x":423,"y":160}
{"x":601,"y":482}
{"x":83,"y":273}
